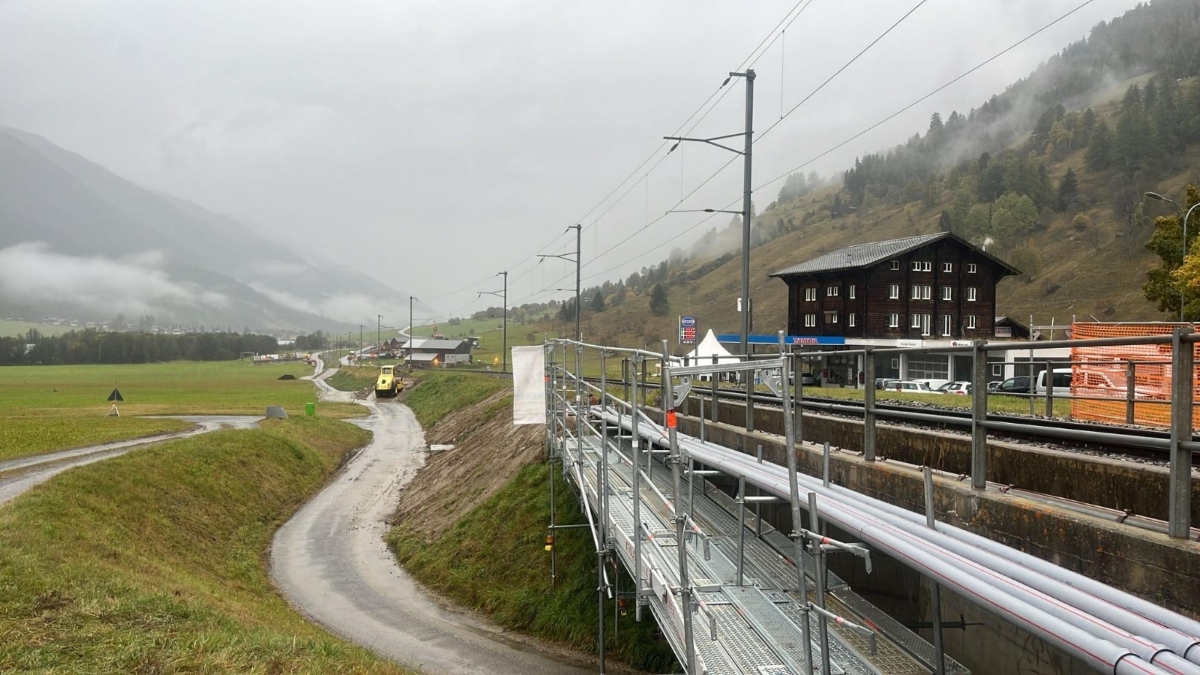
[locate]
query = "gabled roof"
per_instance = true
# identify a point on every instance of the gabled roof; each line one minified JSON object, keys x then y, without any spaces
{"x":447,"y":345}
{"x":858,"y":256}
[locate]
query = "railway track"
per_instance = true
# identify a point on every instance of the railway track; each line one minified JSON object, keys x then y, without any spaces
{"x":1140,"y":442}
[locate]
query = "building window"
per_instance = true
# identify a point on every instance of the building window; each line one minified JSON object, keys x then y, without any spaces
{"x":936,"y":366}
{"x":810,"y":320}
{"x":851,"y":291}
{"x":970,"y":268}
{"x":831,"y":291}
{"x":893,"y":320}
{"x":831,"y":317}
{"x":971,"y":294}
{"x":810,"y":295}
{"x":947,"y":292}
{"x":916,"y":292}
{"x":894,"y":292}
{"x":895,"y":264}
{"x":850,"y":319}
{"x":947,"y":267}
{"x":896,"y":364}
{"x":997,"y":370}
{"x":925,"y":292}
{"x":947,"y":325}
{"x":915,"y":321}
{"x":916,"y":265}
{"x":970,"y":321}
{"x":924,"y":324}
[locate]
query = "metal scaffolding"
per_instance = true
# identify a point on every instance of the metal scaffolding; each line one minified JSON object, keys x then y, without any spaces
{"x":724,"y":586}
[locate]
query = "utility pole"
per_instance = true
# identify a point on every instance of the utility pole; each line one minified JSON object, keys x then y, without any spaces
{"x":410,"y":332}
{"x":360,"y":340}
{"x":378,"y":342}
{"x":502,"y":294}
{"x":578,"y":257}
{"x":747,"y":163}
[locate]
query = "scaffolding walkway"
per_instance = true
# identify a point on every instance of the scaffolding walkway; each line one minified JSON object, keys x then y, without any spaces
{"x":754,"y":627}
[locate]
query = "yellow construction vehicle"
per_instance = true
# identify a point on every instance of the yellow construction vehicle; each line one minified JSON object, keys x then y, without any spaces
{"x":389,"y":382}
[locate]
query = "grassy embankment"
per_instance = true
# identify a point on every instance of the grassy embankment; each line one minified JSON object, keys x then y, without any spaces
{"x":506,"y":575}
{"x":353,"y":378}
{"x":154,"y":561}
{"x":47,"y":408}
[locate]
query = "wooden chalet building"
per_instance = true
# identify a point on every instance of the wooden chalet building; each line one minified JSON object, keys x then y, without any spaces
{"x":929,"y":287}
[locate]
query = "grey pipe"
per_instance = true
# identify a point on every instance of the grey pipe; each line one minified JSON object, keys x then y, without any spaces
{"x":1076,"y":640}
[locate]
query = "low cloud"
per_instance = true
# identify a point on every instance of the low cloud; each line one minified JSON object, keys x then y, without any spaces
{"x":134,"y":285}
{"x":349,"y":308}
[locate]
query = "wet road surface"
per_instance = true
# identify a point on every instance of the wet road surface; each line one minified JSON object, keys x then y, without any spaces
{"x":330,"y":560}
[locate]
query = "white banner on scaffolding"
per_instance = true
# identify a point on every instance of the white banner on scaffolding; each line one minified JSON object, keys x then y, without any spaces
{"x":529,"y":385}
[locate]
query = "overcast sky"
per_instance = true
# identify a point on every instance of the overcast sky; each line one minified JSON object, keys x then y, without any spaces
{"x":447,"y":141}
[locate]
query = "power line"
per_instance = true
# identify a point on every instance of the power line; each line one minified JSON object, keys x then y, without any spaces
{"x":917,"y":102}
{"x":839,"y":71}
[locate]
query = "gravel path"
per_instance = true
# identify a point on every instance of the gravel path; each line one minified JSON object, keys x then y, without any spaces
{"x":330,"y":561}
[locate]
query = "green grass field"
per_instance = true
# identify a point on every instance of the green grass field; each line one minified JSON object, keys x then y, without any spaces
{"x":353,"y":378}
{"x":26,"y":436}
{"x":177,"y":388}
{"x":996,"y":403}
{"x":155,"y":561}
{"x":49,"y":408}
{"x":15,"y":328}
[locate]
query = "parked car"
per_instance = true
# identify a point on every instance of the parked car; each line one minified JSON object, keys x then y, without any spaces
{"x":993,"y":385}
{"x":886,"y":383}
{"x":957,"y":388}
{"x":808,"y":380}
{"x":910,"y":386}
{"x":1061,"y":380}
{"x":934,"y":383}
{"x":1014,"y":385}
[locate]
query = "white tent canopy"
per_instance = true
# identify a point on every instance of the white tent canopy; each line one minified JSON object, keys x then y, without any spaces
{"x":707,"y":349}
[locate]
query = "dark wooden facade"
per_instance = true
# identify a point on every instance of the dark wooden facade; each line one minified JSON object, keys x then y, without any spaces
{"x":880,"y":290}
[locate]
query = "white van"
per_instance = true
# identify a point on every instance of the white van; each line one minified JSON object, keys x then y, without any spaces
{"x":1062,"y":382}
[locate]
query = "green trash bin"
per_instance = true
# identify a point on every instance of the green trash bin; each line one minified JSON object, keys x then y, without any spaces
{"x":310,"y":409}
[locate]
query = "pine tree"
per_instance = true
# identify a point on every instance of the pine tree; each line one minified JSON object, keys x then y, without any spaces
{"x":1068,"y":189}
{"x":659,"y":304}
{"x":1099,"y":152}
{"x":598,"y":302}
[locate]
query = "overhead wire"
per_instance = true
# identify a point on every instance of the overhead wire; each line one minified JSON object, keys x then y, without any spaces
{"x":922,"y":99}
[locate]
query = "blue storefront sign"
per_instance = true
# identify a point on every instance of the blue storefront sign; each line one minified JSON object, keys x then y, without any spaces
{"x":788,"y":339}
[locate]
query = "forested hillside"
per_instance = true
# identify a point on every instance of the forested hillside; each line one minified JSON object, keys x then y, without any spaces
{"x":1050,"y":175}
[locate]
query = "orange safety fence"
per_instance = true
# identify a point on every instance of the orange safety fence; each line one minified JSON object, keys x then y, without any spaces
{"x":1103,"y":373}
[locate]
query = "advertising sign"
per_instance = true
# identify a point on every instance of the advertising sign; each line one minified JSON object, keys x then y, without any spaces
{"x":687,"y":330}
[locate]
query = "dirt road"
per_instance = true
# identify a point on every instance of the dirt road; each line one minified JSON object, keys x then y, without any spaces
{"x":330,"y":560}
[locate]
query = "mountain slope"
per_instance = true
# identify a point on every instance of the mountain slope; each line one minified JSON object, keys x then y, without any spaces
{"x":85,"y":215}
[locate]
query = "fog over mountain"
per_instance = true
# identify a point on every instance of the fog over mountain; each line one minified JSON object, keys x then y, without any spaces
{"x":79,"y":241}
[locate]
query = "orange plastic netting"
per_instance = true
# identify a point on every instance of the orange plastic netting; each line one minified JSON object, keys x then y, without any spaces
{"x":1103,"y":373}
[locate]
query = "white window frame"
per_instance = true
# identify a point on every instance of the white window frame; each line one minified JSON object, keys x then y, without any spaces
{"x":894,"y":320}
{"x":831,"y":291}
{"x":947,"y":267}
{"x":831,"y":318}
{"x":895,"y":265}
{"x":850,"y":320}
{"x":916,"y":266}
{"x":997,"y":370}
{"x":851,"y":291}
{"x":947,"y":292}
{"x":894,"y":292}
{"x":970,"y":324}
{"x":915,"y":321}
{"x":947,"y":325}
{"x":925,"y":321}
{"x":810,"y":294}
{"x":972,"y":294}
{"x":810,"y":320}
{"x":916,"y":292}
{"x":971,"y":268}
{"x":926,"y":293}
